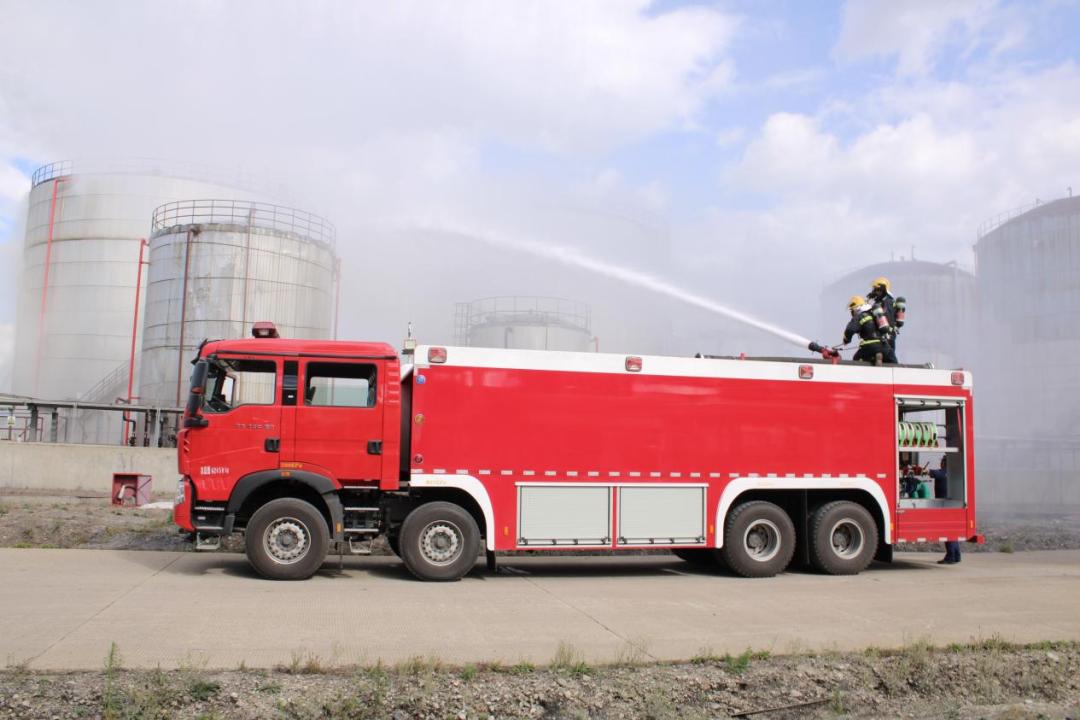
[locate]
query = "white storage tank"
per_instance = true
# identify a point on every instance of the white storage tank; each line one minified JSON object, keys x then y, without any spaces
{"x":218,"y":266}
{"x":525,"y":323}
{"x":76,"y":303}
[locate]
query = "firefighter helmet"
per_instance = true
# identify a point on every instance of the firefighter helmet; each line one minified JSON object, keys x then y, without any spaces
{"x":856,"y":302}
{"x":881,"y":282}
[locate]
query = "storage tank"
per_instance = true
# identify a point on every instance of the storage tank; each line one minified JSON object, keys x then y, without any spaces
{"x":941,"y":316}
{"x":524,"y":323}
{"x":216,"y":267}
{"x":1029,"y":368}
{"x":76,"y":304}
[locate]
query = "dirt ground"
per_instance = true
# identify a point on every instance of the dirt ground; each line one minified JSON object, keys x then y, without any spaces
{"x":64,"y":521}
{"x":990,"y":679}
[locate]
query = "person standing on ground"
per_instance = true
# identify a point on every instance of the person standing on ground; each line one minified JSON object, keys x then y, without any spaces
{"x":872,"y":348}
{"x":941,"y":491}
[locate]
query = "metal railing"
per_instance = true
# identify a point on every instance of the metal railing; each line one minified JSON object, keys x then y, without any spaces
{"x":510,"y":308}
{"x":988,"y":226}
{"x":182,"y":169}
{"x":244,"y":213}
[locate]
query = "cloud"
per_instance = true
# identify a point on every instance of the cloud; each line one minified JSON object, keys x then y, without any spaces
{"x":915,"y":32}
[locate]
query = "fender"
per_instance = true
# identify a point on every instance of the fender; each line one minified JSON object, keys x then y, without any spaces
{"x":321,"y":484}
{"x":856,"y":482}
{"x":472,"y":487}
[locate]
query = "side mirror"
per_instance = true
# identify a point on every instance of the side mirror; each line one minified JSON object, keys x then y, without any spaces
{"x":192,"y":418}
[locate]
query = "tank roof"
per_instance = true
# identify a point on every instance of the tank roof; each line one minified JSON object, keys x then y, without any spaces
{"x":902,"y":268}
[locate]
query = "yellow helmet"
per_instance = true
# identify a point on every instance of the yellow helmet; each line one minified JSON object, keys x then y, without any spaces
{"x":881,"y":281}
{"x":855,"y":302}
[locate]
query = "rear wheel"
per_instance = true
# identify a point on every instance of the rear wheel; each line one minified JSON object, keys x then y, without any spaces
{"x":439,"y":541}
{"x":759,"y":539}
{"x":698,"y":557}
{"x":843,"y":538}
{"x":287,"y":539}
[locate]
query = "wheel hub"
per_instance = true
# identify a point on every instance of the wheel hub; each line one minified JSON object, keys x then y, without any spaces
{"x":847,"y":539}
{"x":762,"y":540}
{"x":441,"y":542}
{"x":286,"y":540}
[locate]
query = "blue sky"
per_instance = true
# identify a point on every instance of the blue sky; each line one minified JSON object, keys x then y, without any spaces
{"x":831,"y":134}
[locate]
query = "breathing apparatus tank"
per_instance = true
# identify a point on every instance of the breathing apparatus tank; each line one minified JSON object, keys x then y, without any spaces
{"x":900,"y":309}
{"x":881,"y":320}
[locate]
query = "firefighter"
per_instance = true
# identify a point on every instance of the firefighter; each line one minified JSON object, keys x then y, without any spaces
{"x":888,"y":311}
{"x":871,"y":344}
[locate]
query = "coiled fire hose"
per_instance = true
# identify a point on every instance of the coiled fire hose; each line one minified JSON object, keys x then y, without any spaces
{"x":918,"y":434}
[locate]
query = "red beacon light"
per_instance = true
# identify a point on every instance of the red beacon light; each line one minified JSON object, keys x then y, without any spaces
{"x":264,"y":330}
{"x":633,"y":363}
{"x":436,"y":355}
{"x":957,"y":377}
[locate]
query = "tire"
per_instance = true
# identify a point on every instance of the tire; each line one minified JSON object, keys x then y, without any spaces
{"x":698,"y":557}
{"x":439,"y":541}
{"x":843,"y":538}
{"x":759,"y":539}
{"x":287,"y":539}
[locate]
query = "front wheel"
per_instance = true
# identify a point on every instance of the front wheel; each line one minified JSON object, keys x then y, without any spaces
{"x":759,"y":539}
{"x":287,"y":539}
{"x":843,"y":538}
{"x":439,"y":541}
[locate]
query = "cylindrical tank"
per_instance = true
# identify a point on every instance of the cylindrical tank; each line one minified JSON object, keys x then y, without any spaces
{"x":76,"y":302}
{"x":525,"y":323}
{"x":216,"y":267}
{"x":941,"y":314}
{"x":1029,"y":368}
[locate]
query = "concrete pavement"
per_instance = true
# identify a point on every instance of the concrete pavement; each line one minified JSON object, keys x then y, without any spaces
{"x":63,"y":608}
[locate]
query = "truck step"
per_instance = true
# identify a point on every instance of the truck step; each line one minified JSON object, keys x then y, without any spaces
{"x":362,"y":509}
{"x":207,"y":542}
{"x":361,"y":531}
{"x":359,"y":547}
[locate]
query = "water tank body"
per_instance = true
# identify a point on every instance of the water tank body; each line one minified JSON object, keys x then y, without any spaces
{"x":1029,"y":368}
{"x":76,"y":302}
{"x":216,"y":267}
{"x":525,"y":323}
{"x":941,"y":315}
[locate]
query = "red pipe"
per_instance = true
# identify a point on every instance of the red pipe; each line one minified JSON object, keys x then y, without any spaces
{"x":45,"y":282}
{"x":183,"y":317}
{"x":134,"y":333}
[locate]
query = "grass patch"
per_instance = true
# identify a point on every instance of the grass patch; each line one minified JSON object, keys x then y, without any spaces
{"x":569,"y":659}
{"x":522,"y":668}
{"x":111,"y":702}
{"x":304,"y":664}
{"x":468,"y":672}
{"x":4,"y":509}
{"x":419,"y":665}
{"x":1006,"y":547}
{"x":201,"y":689}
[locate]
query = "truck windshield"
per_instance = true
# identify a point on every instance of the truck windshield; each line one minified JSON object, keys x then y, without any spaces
{"x":233,"y":382}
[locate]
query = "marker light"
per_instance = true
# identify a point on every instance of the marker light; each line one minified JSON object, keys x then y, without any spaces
{"x":957,"y":377}
{"x":806,"y":372}
{"x":436,"y":355}
{"x":633,"y":363}
{"x":264,"y":330}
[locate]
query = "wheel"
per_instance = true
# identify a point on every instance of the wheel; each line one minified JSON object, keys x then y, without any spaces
{"x":759,"y":539}
{"x":439,"y":541}
{"x":843,"y":538}
{"x":698,"y":557}
{"x":286,"y":539}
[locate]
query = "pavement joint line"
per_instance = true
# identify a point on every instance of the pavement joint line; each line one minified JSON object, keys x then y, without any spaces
{"x":586,"y":614}
{"x":108,"y":605}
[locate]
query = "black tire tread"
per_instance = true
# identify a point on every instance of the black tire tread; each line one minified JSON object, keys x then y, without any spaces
{"x":320,"y":539}
{"x":824,"y":560}
{"x":733,"y":556}
{"x":409,"y":536}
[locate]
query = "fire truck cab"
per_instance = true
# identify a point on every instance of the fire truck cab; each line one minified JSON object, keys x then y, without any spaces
{"x":311,"y":445}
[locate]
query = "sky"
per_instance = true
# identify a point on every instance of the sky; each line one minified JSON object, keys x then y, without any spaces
{"x":762,"y":149}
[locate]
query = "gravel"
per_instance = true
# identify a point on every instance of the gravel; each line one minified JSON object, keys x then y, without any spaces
{"x":990,"y":679}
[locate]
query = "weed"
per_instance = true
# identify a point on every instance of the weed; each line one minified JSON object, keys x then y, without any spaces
{"x":270,"y":688}
{"x":569,"y":659}
{"x":468,"y":672}
{"x":836,"y":702}
{"x":738,"y":663}
{"x":522,"y":668}
{"x":304,"y":664}
{"x":23,"y":545}
{"x":705,"y":656}
{"x":111,"y":703}
{"x":1006,"y":547}
{"x":632,"y":653}
{"x":419,"y":665}
{"x":4,"y":509}
{"x":201,"y":689}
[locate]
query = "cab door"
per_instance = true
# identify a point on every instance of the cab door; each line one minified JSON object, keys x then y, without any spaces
{"x":243,"y":424}
{"x":339,"y":418}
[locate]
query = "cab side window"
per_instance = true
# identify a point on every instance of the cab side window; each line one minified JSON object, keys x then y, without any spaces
{"x":240,"y":382}
{"x":333,"y":384}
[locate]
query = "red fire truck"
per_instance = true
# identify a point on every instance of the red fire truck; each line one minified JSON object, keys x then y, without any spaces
{"x":310,"y":445}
